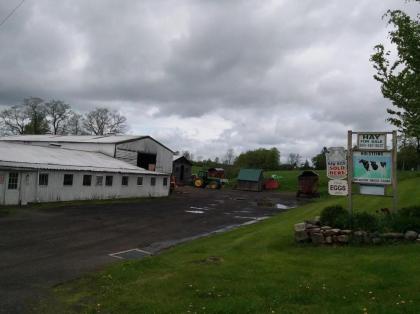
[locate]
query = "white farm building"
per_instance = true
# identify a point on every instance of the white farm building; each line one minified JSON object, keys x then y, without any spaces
{"x":48,"y":168}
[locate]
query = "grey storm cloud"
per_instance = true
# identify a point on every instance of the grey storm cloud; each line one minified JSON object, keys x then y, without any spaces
{"x":291,"y":74}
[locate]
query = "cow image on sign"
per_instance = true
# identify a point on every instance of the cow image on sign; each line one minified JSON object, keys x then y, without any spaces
{"x":372,"y":167}
{"x":336,"y":160}
{"x":370,"y":141}
{"x":338,"y":187}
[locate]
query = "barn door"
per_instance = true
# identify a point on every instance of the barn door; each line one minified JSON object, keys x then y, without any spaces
{"x":12,"y":186}
{"x":181,"y":174}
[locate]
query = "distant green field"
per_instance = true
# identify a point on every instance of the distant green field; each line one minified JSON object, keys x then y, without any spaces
{"x":259,"y":269}
{"x":289,"y":178}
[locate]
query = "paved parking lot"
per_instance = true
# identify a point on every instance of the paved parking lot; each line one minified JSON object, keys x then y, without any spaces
{"x":43,"y":247}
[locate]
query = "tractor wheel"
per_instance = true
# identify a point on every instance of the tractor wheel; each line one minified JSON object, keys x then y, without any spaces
{"x":198,"y":183}
{"x":213,"y":185}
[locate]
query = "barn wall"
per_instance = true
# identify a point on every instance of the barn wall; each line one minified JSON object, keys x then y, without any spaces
{"x":128,"y":153}
{"x":30,"y":191}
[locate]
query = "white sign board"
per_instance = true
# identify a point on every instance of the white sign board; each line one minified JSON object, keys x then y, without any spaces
{"x":370,"y":141}
{"x":336,"y":159}
{"x":372,"y":189}
{"x":338,"y":187}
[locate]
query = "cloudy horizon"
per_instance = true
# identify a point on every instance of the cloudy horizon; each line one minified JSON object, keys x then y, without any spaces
{"x":206,"y":76}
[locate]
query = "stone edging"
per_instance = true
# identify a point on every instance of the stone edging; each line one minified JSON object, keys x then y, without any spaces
{"x":312,"y":231}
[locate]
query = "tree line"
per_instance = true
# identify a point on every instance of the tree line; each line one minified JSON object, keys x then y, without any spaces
{"x":36,"y":116}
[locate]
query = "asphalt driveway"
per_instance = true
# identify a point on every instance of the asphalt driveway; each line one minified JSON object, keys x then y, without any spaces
{"x":40,"y":248}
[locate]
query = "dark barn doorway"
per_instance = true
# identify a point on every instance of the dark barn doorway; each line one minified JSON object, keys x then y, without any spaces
{"x":146,"y":161}
{"x":181,"y":174}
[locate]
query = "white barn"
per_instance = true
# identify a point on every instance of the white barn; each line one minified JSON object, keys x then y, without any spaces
{"x":62,"y":168}
{"x":141,"y":151}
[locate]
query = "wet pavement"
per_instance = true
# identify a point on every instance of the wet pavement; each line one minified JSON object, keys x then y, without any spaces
{"x":40,"y":248}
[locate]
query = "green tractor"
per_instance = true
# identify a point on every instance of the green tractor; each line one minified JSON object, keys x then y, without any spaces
{"x":202,"y":180}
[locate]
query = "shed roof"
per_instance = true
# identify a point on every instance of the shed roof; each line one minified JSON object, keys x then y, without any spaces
{"x":253,"y":175}
{"x":179,"y":158}
{"x":16,"y":155}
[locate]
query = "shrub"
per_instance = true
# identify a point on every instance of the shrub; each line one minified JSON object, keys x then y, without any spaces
{"x":405,"y":219}
{"x":335,"y":216}
{"x":365,"y":221}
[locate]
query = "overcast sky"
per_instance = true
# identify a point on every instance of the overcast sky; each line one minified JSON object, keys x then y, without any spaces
{"x":205,"y":76}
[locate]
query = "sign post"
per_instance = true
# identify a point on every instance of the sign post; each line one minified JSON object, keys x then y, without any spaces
{"x":350,"y":170}
{"x":394,"y":171}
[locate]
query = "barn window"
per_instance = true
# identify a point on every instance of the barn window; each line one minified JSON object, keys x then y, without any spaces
{"x":99,"y":180}
{"x":108,"y":180}
{"x":43,"y":179}
{"x":152,"y":181}
{"x":68,"y":179}
{"x":13,"y":181}
{"x":87,"y":180}
{"x":124,"y":180}
{"x":139,"y":180}
{"x":165,"y":181}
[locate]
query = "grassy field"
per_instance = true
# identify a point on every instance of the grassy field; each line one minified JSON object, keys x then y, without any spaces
{"x":258,"y":269}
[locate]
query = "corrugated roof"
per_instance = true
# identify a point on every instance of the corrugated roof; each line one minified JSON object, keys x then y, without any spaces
{"x":38,"y":157}
{"x":106,"y":139}
{"x":253,"y":175}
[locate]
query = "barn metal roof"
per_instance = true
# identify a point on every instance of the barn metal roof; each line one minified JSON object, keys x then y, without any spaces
{"x":16,"y":155}
{"x":253,"y":175}
{"x":95,"y":139}
{"x":105,"y":139}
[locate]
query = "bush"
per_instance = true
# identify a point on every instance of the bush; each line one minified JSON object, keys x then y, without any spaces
{"x":335,"y":216}
{"x":405,"y":219}
{"x":365,"y":221}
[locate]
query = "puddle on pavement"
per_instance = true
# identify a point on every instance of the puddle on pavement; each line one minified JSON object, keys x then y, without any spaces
{"x":195,"y":211}
{"x":244,"y":217}
{"x":282,"y":206}
{"x":273,"y":204}
{"x":199,"y":208}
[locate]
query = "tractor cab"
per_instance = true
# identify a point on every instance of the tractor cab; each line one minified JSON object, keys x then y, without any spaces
{"x":203,"y":179}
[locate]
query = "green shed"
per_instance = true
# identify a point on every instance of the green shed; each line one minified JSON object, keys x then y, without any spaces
{"x":250,"y":180}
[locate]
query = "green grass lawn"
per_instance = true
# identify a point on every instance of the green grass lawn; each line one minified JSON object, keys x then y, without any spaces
{"x":259,"y":269}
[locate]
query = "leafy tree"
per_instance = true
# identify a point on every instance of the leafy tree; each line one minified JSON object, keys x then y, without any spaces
{"x":187,"y":155}
{"x":400,"y":78}
{"x":319,"y":160}
{"x":57,"y":113}
{"x":408,"y":158}
{"x":101,"y":121}
{"x":35,"y":110}
{"x":294,"y":159}
{"x":259,"y":158}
